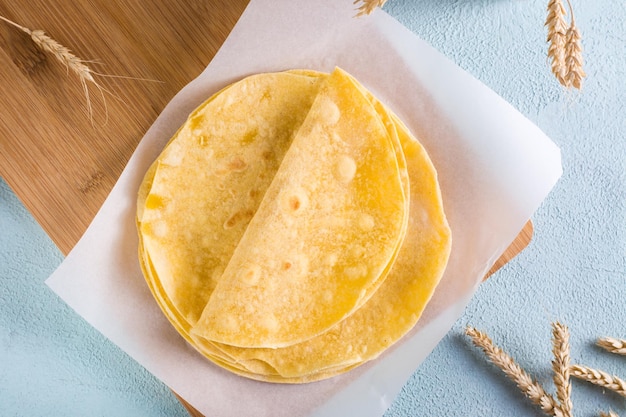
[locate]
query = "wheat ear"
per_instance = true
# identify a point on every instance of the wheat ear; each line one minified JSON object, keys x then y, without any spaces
{"x":560,"y":366}
{"x":599,"y":378}
{"x":368,"y":6}
{"x":574,"y":72}
{"x":609,"y":344}
{"x":557,"y":30}
{"x":65,"y":57}
{"x":564,"y":46}
{"x":611,"y":413}
{"x":532,"y":389}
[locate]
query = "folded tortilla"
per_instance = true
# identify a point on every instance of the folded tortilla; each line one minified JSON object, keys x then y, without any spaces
{"x":325,"y":234}
{"x":399,"y":302}
{"x":292,"y":229}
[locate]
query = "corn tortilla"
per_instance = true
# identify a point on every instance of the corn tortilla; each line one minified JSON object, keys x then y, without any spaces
{"x":328,"y":227}
{"x":397,"y":305}
{"x":326,"y":248}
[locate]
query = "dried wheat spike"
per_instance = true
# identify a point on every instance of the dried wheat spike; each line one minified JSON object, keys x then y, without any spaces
{"x":560,"y":366}
{"x":368,"y":6}
{"x":532,"y":389}
{"x":611,"y":413}
{"x":64,"y":56}
{"x":599,"y":378}
{"x":616,"y":346}
{"x":574,"y":72}
{"x":557,"y":30}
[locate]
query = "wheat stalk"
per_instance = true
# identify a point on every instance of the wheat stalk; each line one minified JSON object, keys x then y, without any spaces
{"x":564,"y":46}
{"x":560,"y":366}
{"x":64,"y":56}
{"x":368,"y":6}
{"x":612,"y":345}
{"x":532,"y":389}
{"x":557,"y":30}
{"x":574,"y":72}
{"x":599,"y":378}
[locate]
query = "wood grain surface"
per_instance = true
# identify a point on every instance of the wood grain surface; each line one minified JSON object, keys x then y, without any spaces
{"x":60,"y":162}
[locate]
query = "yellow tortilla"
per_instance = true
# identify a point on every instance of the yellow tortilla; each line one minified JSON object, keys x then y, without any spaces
{"x":325,"y":233}
{"x":324,"y":251}
{"x":397,"y":305}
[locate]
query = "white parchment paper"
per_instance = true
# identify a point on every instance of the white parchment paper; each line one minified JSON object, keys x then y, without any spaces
{"x":495,"y":167}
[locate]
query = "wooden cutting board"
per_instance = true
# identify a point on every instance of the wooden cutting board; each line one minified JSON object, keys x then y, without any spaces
{"x":61,"y":161}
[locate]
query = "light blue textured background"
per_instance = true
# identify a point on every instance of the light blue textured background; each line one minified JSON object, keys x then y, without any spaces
{"x":52,"y":363}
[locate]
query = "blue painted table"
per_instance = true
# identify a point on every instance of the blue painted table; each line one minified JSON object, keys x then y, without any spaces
{"x":52,"y":363}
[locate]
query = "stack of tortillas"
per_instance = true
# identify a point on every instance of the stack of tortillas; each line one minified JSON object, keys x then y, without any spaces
{"x":292,"y":229}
